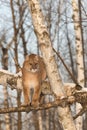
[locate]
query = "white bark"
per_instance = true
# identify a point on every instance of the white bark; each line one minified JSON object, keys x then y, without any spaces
{"x":47,"y":115}
{"x":48,"y":56}
{"x":79,"y":57}
{"x":14,"y":80}
{"x":7,"y":116}
{"x":40,"y":120}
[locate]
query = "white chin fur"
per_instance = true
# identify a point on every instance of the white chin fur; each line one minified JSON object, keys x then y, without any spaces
{"x":34,"y":70}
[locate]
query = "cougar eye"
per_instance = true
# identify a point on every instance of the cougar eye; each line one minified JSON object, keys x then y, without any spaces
{"x":36,"y":64}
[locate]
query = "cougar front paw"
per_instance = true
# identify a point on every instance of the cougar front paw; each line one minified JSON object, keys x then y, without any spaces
{"x":35,"y":103}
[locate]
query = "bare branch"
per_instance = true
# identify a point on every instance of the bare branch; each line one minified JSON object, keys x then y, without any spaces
{"x":56,"y":103}
{"x":76,"y":97}
{"x":14,"y":80}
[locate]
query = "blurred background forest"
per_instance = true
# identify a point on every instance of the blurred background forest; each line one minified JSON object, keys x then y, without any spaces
{"x":17,"y":39}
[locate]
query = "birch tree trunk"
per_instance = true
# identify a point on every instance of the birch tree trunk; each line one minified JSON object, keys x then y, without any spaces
{"x":7,"y":116}
{"x":5,"y":91}
{"x":40,"y":120}
{"x":16,"y":58}
{"x":47,"y":115}
{"x":79,"y":55}
{"x":51,"y":66}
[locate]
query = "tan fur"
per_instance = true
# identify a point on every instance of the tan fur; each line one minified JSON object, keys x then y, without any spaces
{"x":33,"y":73}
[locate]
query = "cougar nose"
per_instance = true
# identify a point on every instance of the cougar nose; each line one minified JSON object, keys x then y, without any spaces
{"x":34,"y":67}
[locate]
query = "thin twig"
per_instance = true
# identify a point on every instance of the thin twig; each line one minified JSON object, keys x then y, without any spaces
{"x":72,"y":76}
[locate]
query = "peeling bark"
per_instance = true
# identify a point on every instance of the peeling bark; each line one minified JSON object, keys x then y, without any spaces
{"x":79,"y":57}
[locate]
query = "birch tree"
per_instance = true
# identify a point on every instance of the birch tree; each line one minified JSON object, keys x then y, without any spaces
{"x":16,"y":57}
{"x":5,"y":91}
{"x":79,"y":57}
{"x":51,"y":66}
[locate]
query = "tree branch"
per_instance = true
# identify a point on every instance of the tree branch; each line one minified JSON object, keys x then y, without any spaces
{"x":76,"y":97}
{"x":13,"y":80}
{"x":22,"y":108}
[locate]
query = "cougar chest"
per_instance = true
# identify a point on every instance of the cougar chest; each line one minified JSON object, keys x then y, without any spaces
{"x":33,"y":79}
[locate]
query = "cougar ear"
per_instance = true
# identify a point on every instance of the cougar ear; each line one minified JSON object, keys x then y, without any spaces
{"x":37,"y":57}
{"x":27,"y":58}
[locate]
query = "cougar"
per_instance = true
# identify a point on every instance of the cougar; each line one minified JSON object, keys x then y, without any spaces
{"x":33,"y":74}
